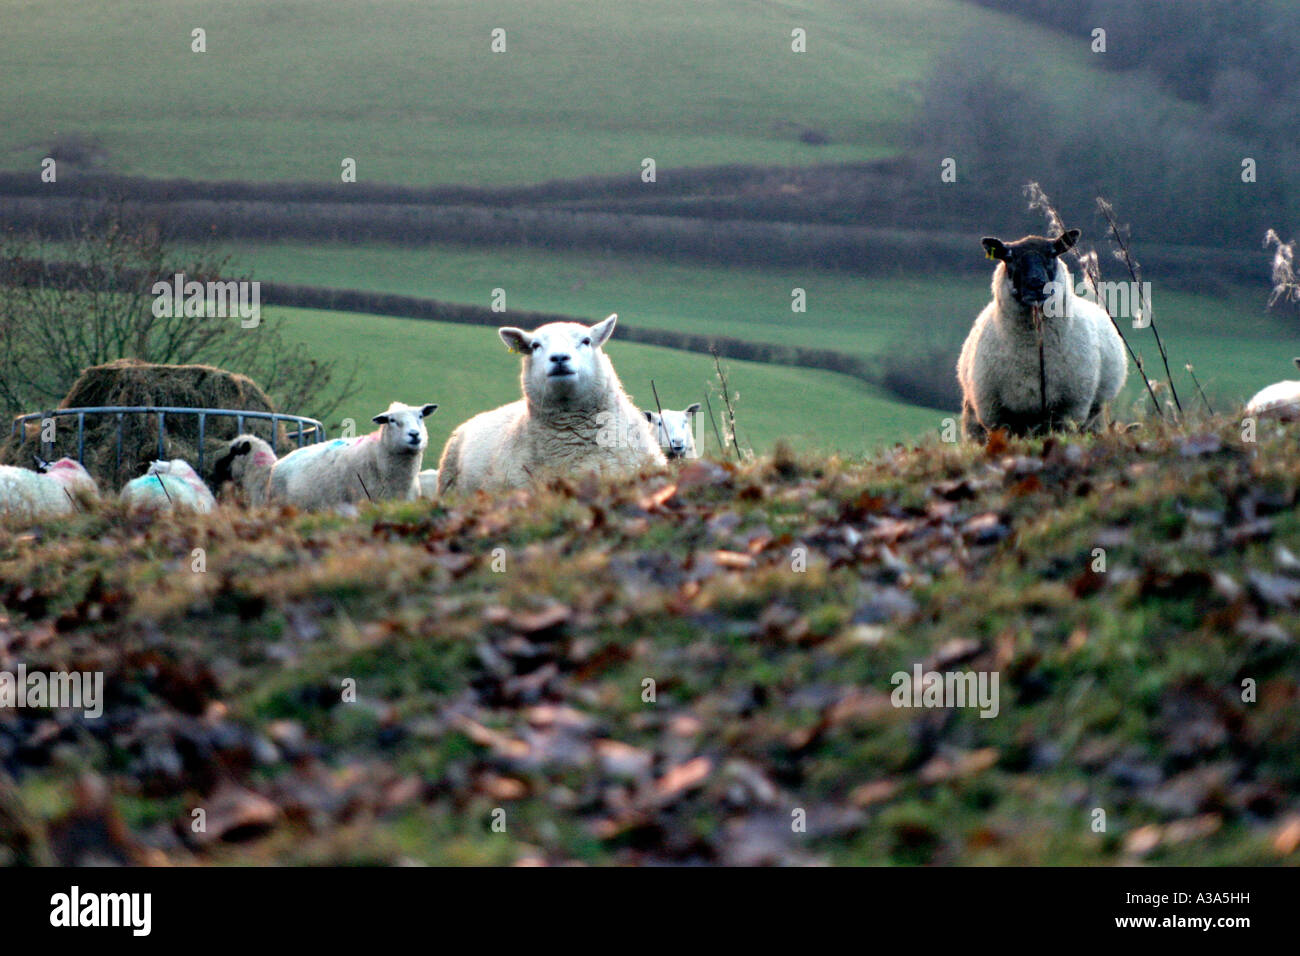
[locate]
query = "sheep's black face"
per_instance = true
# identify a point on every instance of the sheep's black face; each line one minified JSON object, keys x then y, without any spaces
{"x":1030,"y":263}
{"x":223,"y":470}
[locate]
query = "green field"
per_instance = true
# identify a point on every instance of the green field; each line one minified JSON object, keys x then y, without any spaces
{"x":466,"y":370}
{"x":858,"y":315}
{"x":413,"y":93}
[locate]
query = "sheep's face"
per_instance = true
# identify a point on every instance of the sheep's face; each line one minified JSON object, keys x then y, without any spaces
{"x":242,"y":452}
{"x":675,"y":430}
{"x":1030,"y":264}
{"x":563,"y":363}
{"x":404,"y":432}
{"x":223,"y":470}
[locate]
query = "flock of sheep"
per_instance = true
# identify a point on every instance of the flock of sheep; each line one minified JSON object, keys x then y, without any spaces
{"x":575,"y":417}
{"x":1024,"y":367}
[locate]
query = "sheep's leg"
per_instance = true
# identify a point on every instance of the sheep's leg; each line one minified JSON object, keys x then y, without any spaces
{"x":449,"y":466}
{"x":1096,"y":420}
{"x":970,"y":423}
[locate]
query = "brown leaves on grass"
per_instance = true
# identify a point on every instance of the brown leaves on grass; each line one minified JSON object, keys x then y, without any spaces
{"x":767,"y":605}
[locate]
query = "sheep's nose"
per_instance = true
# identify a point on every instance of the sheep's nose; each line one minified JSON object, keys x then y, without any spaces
{"x":413,"y":434}
{"x":559,"y":358}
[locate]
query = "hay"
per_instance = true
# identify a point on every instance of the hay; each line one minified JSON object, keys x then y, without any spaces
{"x":130,"y":382}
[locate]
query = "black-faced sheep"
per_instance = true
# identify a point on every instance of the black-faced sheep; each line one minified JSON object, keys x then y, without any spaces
{"x":1083,"y":362}
{"x":246,"y":465}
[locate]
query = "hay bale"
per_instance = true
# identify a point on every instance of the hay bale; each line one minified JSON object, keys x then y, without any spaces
{"x":130,"y":382}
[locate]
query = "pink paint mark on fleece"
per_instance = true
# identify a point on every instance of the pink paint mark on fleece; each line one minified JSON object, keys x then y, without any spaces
{"x":264,"y":457}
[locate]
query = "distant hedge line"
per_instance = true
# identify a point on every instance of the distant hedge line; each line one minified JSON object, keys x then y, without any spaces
{"x":863,"y":250}
{"x":75,"y":183}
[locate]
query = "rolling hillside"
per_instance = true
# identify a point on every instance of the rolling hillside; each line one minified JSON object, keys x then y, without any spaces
{"x":413,"y":92}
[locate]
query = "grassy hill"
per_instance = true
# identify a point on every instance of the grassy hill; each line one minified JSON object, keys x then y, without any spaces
{"x":1147,"y":707}
{"x":412,"y":92}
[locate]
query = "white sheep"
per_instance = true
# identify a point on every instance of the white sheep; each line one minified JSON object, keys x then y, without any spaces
{"x":574,"y":417}
{"x":58,"y":489}
{"x":1083,"y":358}
{"x":169,"y":485}
{"x":428,"y":483}
{"x":675,"y":431}
{"x":1281,"y":399}
{"x":246,"y":463}
{"x":381,"y":466}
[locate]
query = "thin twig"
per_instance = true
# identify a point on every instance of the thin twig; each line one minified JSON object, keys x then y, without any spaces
{"x":1127,"y":258}
{"x":726,"y":398}
{"x":722,"y":449}
{"x":1037,"y":314}
{"x":1093,"y":272}
{"x":163,"y":485}
{"x":363,"y":487}
{"x":661,"y":411}
{"x":1088,"y":263}
{"x":1192,"y":373}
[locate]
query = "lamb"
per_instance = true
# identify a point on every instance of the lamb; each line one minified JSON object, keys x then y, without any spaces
{"x":246,"y":463}
{"x":381,"y":466}
{"x":574,"y":417}
{"x":429,"y":483}
{"x":1281,"y":399}
{"x":1083,"y":360}
{"x":675,"y":431}
{"x":169,"y":485}
{"x":57,"y":489}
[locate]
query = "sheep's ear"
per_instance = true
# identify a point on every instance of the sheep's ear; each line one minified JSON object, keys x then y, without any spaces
{"x":649,"y":416}
{"x":994,"y":248}
{"x":428,"y":410}
{"x":517,"y":340}
{"x":380,"y":419}
{"x":601,"y":331}
{"x":243,"y":448}
{"x":1066,"y":242}
{"x":1297,"y":361}
{"x":692,"y":409}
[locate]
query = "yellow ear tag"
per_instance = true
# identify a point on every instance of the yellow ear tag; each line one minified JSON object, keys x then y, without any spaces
{"x":988,"y":254}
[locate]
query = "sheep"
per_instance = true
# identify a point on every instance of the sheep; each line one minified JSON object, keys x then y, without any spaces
{"x":381,"y":466}
{"x":675,"y":431}
{"x":169,"y":485}
{"x":57,"y":489}
{"x":246,"y":463}
{"x":1083,"y":362}
{"x":574,"y":417}
{"x":1281,"y":399}
{"x":428,"y":483}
